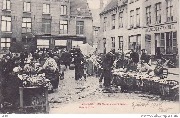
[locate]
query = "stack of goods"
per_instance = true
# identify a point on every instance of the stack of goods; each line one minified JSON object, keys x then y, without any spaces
{"x":118,"y":77}
{"x":131,"y":81}
{"x":168,"y":88}
{"x":34,"y":81}
{"x":155,"y":85}
{"x":146,"y":80}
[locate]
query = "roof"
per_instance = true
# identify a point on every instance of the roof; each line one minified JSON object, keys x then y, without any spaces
{"x":111,"y":5}
{"x":80,"y":8}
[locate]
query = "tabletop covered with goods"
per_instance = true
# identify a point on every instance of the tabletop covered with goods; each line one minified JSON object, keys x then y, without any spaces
{"x":166,"y":87}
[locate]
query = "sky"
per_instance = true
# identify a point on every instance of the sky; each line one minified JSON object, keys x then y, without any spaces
{"x":95,"y":4}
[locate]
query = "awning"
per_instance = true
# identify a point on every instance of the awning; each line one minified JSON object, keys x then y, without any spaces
{"x":62,"y":37}
{"x":27,"y":35}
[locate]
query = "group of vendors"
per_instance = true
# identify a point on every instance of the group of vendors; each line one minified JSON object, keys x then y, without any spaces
{"x":51,"y":62}
{"x":128,"y":61}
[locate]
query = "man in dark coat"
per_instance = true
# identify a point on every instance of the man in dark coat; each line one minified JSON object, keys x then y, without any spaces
{"x":79,"y":65}
{"x":66,"y":58}
{"x":107,"y":68}
{"x":145,"y":57}
{"x":134,"y":57}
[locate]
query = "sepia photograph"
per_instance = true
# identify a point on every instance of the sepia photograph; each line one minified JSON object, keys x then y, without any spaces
{"x":89,"y":57}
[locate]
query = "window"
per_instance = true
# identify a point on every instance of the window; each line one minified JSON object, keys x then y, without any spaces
{"x":120,"y":19}
{"x":148,"y":15}
{"x":42,"y":43}
{"x":63,"y":10}
{"x":6,"y":24}
{"x":27,"y":6}
{"x":60,"y":42}
{"x":105,"y":23}
{"x":174,"y":42}
{"x":169,"y":9}
{"x":80,"y":27}
{"x":6,"y":4}
{"x":113,"y":42}
{"x":46,"y":26}
{"x":46,"y":8}
{"x":158,"y":13}
{"x":5,"y":43}
{"x":64,"y":27}
{"x":171,"y":42}
{"x":135,"y":42}
{"x":167,"y":42}
{"x":131,"y":18}
{"x":113,"y":21}
{"x":138,"y":17}
{"x":121,"y":43}
{"x":26,"y":25}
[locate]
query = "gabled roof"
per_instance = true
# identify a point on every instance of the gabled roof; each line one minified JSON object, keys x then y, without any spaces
{"x":112,"y":5}
{"x":80,"y":8}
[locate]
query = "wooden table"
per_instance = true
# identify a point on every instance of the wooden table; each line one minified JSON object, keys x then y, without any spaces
{"x":35,"y":98}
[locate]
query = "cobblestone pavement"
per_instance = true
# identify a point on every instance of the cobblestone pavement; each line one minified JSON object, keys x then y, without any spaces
{"x":86,"y":97}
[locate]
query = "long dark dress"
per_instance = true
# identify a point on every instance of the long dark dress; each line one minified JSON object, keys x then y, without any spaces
{"x":107,"y":67}
{"x":79,"y":67}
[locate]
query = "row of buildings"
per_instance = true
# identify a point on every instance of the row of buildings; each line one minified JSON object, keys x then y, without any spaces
{"x":140,"y":24}
{"x":31,"y":24}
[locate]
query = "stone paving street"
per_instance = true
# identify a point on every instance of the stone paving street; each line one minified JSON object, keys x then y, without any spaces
{"x":86,"y":97}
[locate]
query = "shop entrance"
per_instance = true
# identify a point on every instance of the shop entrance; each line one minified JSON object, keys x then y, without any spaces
{"x":166,"y":42}
{"x":148,"y":43}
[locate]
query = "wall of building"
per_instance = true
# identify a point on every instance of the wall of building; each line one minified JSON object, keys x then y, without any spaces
{"x":37,"y":15}
{"x":116,"y":33}
{"x":164,"y":26}
{"x":143,"y":29}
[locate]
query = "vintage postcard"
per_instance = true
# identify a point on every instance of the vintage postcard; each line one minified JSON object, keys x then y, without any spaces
{"x":89,"y":57}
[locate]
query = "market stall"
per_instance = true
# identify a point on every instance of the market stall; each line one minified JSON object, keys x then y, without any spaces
{"x":34,"y":94}
{"x":167,"y":88}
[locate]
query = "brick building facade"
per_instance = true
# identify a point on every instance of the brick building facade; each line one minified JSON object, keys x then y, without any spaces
{"x":28,"y":24}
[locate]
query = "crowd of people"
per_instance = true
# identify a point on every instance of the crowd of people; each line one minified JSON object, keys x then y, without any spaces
{"x":55,"y":62}
{"x":51,"y":62}
{"x":128,"y":61}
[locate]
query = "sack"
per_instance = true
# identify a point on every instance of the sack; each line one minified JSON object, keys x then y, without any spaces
{"x":71,"y":67}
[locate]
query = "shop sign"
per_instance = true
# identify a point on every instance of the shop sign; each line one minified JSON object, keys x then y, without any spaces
{"x":161,"y":28}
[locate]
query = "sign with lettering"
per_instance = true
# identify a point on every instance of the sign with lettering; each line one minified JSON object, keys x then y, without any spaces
{"x":161,"y":28}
